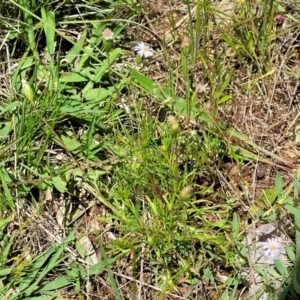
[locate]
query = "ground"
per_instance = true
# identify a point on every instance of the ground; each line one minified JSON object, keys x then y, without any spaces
{"x":173,"y":176}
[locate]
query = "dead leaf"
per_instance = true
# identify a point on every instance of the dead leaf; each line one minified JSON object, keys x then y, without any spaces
{"x":89,"y":249}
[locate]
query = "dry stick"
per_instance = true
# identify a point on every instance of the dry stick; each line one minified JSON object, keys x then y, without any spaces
{"x":292,"y":97}
{"x":291,"y":125}
{"x":286,"y":165}
{"x":168,"y":34}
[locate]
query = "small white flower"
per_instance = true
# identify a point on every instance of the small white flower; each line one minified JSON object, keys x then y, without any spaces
{"x":273,"y":248}
{"x":107,"y":34}
{"x":143,"y":50}
{"x":202,"y":88}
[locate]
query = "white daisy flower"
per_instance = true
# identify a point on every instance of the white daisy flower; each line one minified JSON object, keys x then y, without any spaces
{"x":107,"y":34}
{"x":143,"y":50}
{"x":273,"y":248}
{"x":202,"y":88}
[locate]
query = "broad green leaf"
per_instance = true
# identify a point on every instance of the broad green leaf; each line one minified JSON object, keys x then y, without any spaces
{"x":163,"y":94}
{"x":87,"y":118}
{"x":98,"y":267}
{"x":233,"y":133}
{"x":4,"y":132}
{"x":280,"y":267}
{"x":224,"y":99}
{"x":5,"y":271}
{"x":74,"y":77}
{"x":290,"y":253}
{"x":56,"y":284}
{"x":98,"y":94}
{"x":268,"y":196}
{"x":69,"y":143}
{"x":59,"y":184}
{"x":293,"y":210}
{"x":81,"y":248}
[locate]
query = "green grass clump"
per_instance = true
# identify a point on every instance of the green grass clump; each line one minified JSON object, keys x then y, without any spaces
{"x":125,"y":176}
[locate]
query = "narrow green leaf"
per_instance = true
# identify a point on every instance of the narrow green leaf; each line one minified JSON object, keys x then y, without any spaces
{"x":10,"y":107}
{"x":4,"y":222}
{"x":96,"y":33}
{"x":43,"y":298}
{"x":297,"y":278}
{"x":49,"y":29}
{"x":297,"y":185}
{"x":102,"y":70}
{"x":6,"y":245}
{"x":8,"y":196}
{"x":77,"y":48}
{"x":34,"y":270}
{"x":224,"y":84}
{"x":235,"y":226}
{"x":279,"y":184}
{"x":111,"y":278}
{"x":52,"y":263}
{"x":296,"y":74}
{"x":98,"y":267}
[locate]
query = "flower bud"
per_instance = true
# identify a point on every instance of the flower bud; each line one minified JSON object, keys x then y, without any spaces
{"x":186,"y":193}
{"x":194,"y":133}
{"x":175,"y":126}
{"x":27,"y":90}
{"x":186,"y":44}
{"x":107,"y":34}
